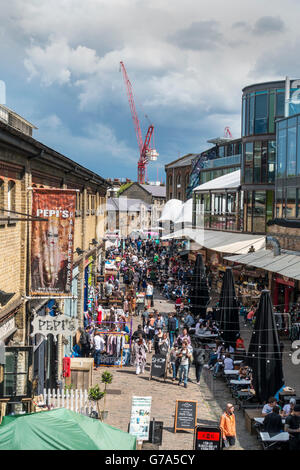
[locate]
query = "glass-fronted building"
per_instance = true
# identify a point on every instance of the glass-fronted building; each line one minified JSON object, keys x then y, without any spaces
{"x":262,"y":105}
{"x":288,"y":168}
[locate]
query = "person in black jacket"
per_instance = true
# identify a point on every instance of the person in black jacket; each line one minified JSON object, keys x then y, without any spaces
{"x":199,"y":360}
{"x":273,"y":422}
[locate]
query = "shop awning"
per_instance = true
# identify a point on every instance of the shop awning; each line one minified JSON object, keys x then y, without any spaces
{"x":229,"y":181}
{"x":285,"y":264}
{"x":223,"y":242}
{"x":171,"y":210}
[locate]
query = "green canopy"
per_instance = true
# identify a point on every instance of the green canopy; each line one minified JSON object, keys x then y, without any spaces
{"x":61,"y":429}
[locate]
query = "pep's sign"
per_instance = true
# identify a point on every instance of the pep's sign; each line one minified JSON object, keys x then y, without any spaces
{"x":52,"y":244}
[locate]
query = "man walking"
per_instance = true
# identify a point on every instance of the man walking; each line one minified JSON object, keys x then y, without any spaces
{"x":228,"y":427}
{"x":199,"y":360}
{"x":99,"y":346}
{"x":184,"y":355}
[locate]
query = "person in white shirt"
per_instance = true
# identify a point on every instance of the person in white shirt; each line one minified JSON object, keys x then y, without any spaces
{"x":268,"y":407}
{"x":228,"y":362}
{"x":149,"y":294}
{"x":99,"y":345}
{"x":288,"y":409}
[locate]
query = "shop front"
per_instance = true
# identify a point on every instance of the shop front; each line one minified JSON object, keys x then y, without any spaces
{"x":283,"y":296}
{"x":45,"y":350}
{"x":70,"y":309}
{"x":89,"y":285}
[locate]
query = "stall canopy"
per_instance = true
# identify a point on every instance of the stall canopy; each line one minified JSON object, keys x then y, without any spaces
{"x":264,"y":354}
{"x":186,"y":213}
{"x":61,"y":429}
{"x":229,"y":181}
{"x":285,"y":264}
{"x":229,"y":310}
{"x":199,"y":297}
{"x":224,"y":242}
{"x":171,"y":210}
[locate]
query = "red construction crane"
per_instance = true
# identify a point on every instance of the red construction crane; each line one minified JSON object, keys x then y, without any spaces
{"x":146,"y":152}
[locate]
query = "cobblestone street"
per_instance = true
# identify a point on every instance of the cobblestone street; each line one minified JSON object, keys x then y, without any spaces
{"x":211,"y":395}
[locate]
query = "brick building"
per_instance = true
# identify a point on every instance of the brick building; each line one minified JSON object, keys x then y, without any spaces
{"x":178,"y":177}
{"x":26,"y":163}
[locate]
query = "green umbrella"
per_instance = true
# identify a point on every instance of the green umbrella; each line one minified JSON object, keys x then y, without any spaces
{"x":61,"y":429}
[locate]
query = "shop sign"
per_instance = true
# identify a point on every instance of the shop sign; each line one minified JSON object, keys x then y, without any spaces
{"x":185,"y":415}
{"x":285,"y":281}
{"x":8,"y":327}
{"x":59,"y":325}
{"x":207,"y":438}
{"x":52,"y":243}
{"x":140,"y":417}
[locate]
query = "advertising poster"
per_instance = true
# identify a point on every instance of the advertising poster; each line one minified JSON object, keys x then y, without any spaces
{"x":140,"y":417}
{"x":52,"y":241}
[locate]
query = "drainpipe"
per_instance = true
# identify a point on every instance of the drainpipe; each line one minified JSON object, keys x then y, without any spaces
{"x":275,"y":243}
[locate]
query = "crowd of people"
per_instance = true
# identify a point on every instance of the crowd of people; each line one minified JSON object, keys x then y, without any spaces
{"x":147,"y":269}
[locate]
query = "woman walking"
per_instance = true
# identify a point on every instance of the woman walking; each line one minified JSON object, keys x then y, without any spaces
{"x":140,"y":349}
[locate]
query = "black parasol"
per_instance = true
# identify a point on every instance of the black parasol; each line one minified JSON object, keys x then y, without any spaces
{"x":229,"y":311}
{"x":264,"y":355}
{"x":199,"y":293}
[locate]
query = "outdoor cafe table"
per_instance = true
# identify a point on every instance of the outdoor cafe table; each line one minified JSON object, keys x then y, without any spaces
{"x":250,"y":414}
{"x":269,"y":440}
{"x":231,"y":372}
{"x":260,"y":420}
{"x":240,"y":382}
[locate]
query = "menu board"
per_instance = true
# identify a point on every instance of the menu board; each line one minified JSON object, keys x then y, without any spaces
{"x":207,"y":438}
{"x":185,"y":415}
{"x":158,"y":366}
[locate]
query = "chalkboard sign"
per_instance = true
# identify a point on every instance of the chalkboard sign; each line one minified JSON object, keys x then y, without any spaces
{"x":185,"y":415}
{"x":207,"y":438}
{"x":158,"y":366}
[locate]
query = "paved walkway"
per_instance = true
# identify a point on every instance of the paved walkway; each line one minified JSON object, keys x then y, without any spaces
{"x":211,"y":396}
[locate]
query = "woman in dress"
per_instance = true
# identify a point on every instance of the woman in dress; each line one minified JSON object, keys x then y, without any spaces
{"x":140,"y":349}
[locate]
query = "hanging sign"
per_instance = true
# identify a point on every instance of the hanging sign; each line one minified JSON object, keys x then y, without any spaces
{"x":59,"y":325}
{"x":52,"y":243}
{"x":140,"y":417}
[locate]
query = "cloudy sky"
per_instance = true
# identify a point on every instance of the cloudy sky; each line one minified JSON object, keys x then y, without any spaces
{"x":187,"y":61}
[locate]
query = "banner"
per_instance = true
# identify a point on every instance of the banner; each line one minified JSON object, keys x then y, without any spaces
{"x":52,"y":244}
{"x":140,"y":417}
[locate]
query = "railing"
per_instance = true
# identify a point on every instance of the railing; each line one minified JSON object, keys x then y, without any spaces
{"x":219,"y":162}
{"x":74,"y":400}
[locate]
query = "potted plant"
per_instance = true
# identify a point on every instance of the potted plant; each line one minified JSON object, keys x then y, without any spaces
{"x":106,"y":379}
{"x":96,"y":395}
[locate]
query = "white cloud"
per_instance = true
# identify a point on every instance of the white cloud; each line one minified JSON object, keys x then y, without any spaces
{"x":187,"y":61}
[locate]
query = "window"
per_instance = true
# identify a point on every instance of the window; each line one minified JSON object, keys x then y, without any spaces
{"x":261,"y":114}
{"x":251,"y":115}
{"x":11,"y":196}
{"x":1,"y":196}
{"x":221,"y":151}
{"x":280,"y":98}
{"x":248,"y":148}
{"x":290,"y":210}
{"x":271,"y":161}
{"x":257,"y":162}
{"x":259,"y":211}
{"x":281,"y":153}
{"x":291,"y":151}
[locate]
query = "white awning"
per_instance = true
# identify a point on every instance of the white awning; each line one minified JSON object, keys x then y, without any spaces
{"x":223,"y":242}
{"x":186,"y":213}
{"x":228,"y":181}
{"x":285,"y":264}
{"x":171,"y":210}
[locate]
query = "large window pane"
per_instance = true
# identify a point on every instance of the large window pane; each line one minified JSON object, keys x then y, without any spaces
{"x":261,"y":114}
{"x":290,"y":211}
{"x":271,"y":161}
{"x":291,"y":152}
{"x":259,"y":211}
{"x":249,"y":211}
{"x":298,"y":204}
{"x":248,"y":148}
{"x":257,"y":163}
{"x":251,"y":115}
{"x":278,"y":213}
{"x":298,"y":150}
{"x":269,"y":206}
{"x":272,"y":112}
{"x":281,"y":153}
{"x":280,"y":104}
